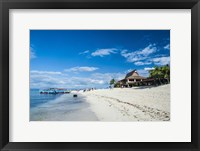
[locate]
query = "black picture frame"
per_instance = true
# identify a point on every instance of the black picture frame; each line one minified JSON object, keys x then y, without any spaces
{"x":5,"y":5}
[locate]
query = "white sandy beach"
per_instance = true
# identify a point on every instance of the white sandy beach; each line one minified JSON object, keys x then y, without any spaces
{"x":131,"y":104}
{"x":118,"y":104}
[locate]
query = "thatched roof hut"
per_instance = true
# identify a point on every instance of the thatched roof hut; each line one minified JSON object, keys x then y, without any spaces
{"x":131,"y":79}
{"x":133,"y":75}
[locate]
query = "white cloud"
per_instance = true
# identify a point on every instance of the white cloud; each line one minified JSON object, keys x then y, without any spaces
{"x":142,"y":57}
{"x":64,"y":81}
{"x":132,"y":56}
{"x":138,"y":56}
{"x":139,"y":63}
{"x":81,"y":69}
{"x":148,"y":50}
{"x":104,"y":52}
{"x":32,"y":53}
{"x":106,"y":77}
{"x":45,"y":72}
{"x":87,"y":81}
{"x":167,"y":47}
{"x":143,"y":73}
{"x":161,"y":60}
{"x":47,"y":79}
{"x":44,"y":79}
{"x":84,"y":52}
{"x":147,"y":69}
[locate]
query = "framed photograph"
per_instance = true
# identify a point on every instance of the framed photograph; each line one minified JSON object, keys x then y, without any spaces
{"x":99,"y":75}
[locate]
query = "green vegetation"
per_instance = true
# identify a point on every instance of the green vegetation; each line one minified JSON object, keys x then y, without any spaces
{"x":112,"y":82}
{"x":160,"y":73}
{"x":116,"y":85}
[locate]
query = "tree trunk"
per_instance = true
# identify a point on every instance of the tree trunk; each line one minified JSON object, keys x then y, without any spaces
{"x":168,"y":80}
{"x":160,"y":81}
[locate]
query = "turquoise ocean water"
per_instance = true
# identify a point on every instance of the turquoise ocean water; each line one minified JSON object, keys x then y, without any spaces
{"x":37,"y":99}
{"x":59,"y":107}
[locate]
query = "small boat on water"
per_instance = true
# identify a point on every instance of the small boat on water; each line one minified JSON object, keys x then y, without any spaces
{"x":54,"y":91}
{"x":75,"y":95}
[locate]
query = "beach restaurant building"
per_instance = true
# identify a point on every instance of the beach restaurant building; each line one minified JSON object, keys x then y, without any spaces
{"x":131,"y":79}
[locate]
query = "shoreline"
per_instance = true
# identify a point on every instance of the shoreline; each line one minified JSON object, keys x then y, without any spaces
{"x":118,"y":104}
{"x":64,"y":108}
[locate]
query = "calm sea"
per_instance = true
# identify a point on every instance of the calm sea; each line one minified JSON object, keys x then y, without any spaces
{"x":36,"y":98}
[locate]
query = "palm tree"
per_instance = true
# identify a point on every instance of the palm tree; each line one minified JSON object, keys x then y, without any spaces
{"x":160,"y":73}
{"x":166,"y":72}
{"x":112,"y":82}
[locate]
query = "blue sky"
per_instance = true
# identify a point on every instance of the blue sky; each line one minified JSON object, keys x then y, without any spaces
{"x":91,"y":58}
